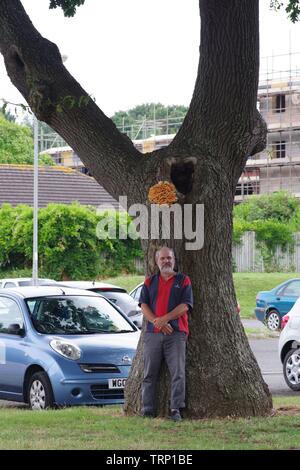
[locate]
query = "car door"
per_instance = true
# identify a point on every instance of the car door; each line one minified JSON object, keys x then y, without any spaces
{"x":13,"y":358}
{"x":287,"y":296}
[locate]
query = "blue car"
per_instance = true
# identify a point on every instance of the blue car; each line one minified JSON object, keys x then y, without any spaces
{"x":61,"y":346}
{"x":272,"y":305}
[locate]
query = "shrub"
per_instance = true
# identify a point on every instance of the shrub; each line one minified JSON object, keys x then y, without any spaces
{"x":280,"y":206}
{"x":272,"y":233}
{"x":274,"y":218}
{"x":117,"y":254}
{"x":68,"y":244}
{"x":7,"y":221}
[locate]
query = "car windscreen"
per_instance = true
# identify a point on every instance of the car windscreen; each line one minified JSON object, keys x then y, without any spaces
{"x":76,"y":315}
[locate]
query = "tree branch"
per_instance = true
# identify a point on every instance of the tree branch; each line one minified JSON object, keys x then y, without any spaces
{"x":35,"y":67}
{"x":223,"y":105}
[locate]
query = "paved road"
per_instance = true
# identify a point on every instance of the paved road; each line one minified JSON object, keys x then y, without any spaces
{"x":254,"y":324}
{"x":265,"y":351}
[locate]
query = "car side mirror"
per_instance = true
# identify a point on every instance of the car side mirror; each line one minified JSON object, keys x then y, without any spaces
{"x":15,"y":329}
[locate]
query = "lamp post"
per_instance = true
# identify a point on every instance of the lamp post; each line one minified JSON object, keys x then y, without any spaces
{"x":35,"y":257}
{"x":35,"y":202}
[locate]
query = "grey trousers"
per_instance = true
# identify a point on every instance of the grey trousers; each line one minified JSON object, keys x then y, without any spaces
{"x":157,"y":347}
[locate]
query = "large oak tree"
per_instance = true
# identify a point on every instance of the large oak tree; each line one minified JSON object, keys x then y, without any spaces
{"x":204,"y":162}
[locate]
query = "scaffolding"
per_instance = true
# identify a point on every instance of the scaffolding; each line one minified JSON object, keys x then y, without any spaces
{"x":49,"y":140}
{"x":278,"y":166}
{"x":139,"y":130}
{"x":147,"y":128}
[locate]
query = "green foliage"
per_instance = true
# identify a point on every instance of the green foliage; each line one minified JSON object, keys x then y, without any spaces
{"x":280,"y":206}
{"x":16,"y":142}
{"x":272,"y":232}
{"x":240,"y":226}
{"x":67,"y":102}
{"x":7,"y":221}
{"x":68,"y":243}
{"x":12,"y":243}
{"x":292,"y":8}
{"x":117,"y":254}
{"x":149,"y":111}
{"x":46,"y":159}
{"x":67,"y":239}
{"x":22,"y":237}
{"x":274,"y":218}
{"x":68,"y":6}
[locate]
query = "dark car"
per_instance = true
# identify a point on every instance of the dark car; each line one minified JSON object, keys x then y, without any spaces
{"x":273,"y":305}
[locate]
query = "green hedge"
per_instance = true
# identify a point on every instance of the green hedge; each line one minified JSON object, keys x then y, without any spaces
{"x":274,"y":218}
{"x":68,"y":243}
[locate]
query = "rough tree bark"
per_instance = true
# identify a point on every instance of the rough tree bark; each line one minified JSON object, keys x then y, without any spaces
{"x":204,"y":162}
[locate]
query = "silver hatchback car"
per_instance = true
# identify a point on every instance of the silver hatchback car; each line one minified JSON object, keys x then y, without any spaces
{"x":117,"y":295}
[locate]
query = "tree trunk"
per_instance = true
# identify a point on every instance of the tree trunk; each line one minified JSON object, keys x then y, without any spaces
{"x":222,"y":375}
{"x":221,"y":129}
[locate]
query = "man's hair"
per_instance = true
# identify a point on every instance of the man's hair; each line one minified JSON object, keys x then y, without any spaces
{"x":158,"y":251}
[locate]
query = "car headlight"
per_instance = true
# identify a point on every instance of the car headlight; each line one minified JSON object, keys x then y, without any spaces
{"x":68,"y":350}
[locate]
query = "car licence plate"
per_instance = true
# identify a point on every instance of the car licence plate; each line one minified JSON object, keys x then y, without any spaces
{"x":116,"y":383}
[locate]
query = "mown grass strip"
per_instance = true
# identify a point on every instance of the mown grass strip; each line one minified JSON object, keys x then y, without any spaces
{"x":107,"y":428}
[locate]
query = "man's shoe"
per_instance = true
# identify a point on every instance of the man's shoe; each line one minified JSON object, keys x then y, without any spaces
{"x":175,"y":415}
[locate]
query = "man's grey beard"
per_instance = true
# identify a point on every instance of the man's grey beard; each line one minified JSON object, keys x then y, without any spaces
{"x":166,"y":269}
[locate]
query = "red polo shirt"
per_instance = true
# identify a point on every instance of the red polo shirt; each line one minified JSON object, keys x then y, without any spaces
{"x":163,"y":294}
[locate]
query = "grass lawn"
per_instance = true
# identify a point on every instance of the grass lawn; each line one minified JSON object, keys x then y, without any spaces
{"x":128,"y":282}
{"x":247,"y":285}
{"x":107,"y":428}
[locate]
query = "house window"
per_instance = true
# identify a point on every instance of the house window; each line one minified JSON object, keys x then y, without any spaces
{"x":279,"y":147}
{"x":58,"y":159}
{"x":244,"y":189}
{"x":280,"y":104}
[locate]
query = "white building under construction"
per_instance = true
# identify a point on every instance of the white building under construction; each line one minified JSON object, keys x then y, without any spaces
{"x":278,"y":166}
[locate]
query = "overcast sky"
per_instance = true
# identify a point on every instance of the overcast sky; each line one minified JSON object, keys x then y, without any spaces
{"x":128,"y":52}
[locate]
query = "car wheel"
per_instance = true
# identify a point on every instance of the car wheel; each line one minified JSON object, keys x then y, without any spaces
{"x":291,"y":369}
{"x":273,"y":320}
{"x":40,"y":394}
